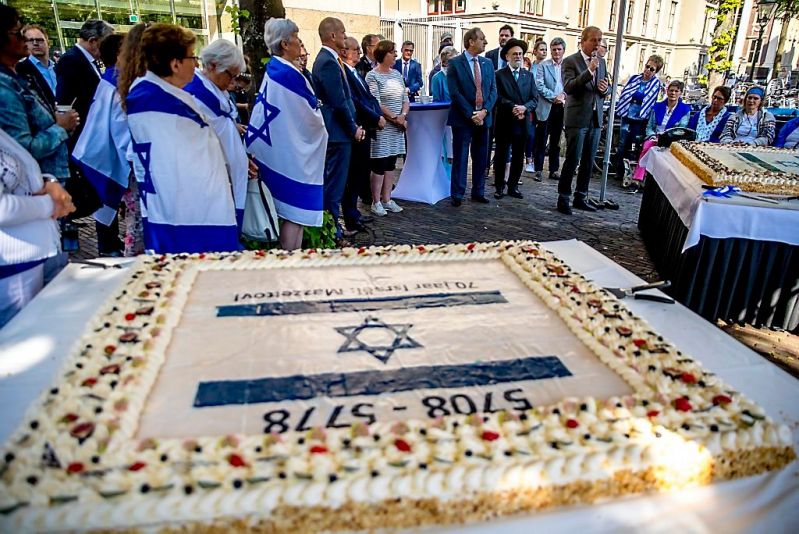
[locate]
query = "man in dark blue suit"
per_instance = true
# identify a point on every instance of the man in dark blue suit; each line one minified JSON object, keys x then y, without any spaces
{"x":368,"y":114}
{"x":517,"y":98}
{"x":410,"y":69}
{"x":338,"y":112}
{"x":473,"y":90}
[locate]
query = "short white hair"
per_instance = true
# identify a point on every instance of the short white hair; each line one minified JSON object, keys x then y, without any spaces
{"x":223,"y":55}
{"x":447,"y":53}
{"x":276,"y":31}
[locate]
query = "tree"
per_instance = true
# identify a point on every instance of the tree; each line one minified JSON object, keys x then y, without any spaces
{"x":252,"y":33}
{"x":720,"y":51}
{"x":786,"y":10}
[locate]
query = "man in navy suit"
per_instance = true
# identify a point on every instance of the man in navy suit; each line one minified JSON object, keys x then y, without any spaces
{"x":517,"y":98}
{"x":368,"y":114}
{"x":473,"y":90}
{"x":77,"y":77}
{"x":338,"y":112}
{"x":505,"y":33}
{"x":410,"y":69}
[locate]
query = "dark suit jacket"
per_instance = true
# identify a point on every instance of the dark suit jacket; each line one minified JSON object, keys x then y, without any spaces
{"x":512,"y":93}
{"x":333,"y":91}
{"x":363,"y":67}
{"x":27,"y":70}
{"x":414,"y":81}
{"x":583,"y":98}
{"x":77,"y":80}
{"x":462,"y":90}
{"x":493,"y":55}
{"x":367,"y":108}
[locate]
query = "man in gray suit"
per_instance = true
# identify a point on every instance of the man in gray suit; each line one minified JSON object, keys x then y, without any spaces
{"x":549,"y":113}
{"x":586,"y":86}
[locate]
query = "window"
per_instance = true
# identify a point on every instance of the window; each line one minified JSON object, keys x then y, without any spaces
{"x":672,"y":14}
{"x":645,"y":17}
{"x":533,"y":7}
{"x":613,"y":15}
{"x":751,"y":57}
{"x":531,"y":39}
{"x":657,"y":19}
{"x":609,"y":58}
{"x":441,"y":7}
{"x":628,"y":28}
{"x":666,"y":61}
{"x":641,"y":59}
{"x":582,"y":13}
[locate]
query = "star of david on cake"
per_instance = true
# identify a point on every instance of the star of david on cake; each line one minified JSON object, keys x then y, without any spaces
{"x":382,"y":352}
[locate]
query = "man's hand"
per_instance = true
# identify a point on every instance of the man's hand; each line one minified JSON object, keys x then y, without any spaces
{"x":381,"y":123}
{"x":593,"y":64}
{"x":560,"y":99}
{"x":62,"y":201}
{"x":479,"y":116}
{"x":519,"y":111}
{"x":242,"y":128}
{"x":602,"y":86}
{"x":360,"y":134}
{"x":252,"y":170}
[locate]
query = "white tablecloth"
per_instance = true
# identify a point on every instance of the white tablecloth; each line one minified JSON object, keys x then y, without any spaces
{"x":716,"y":217}
{"x":34,"y":343}
{"x":424,"y":178}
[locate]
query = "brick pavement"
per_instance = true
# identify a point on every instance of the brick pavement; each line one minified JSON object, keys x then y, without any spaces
{"x":613,"y":233}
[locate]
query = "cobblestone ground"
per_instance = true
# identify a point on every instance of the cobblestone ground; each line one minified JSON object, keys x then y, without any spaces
{"x":613,"y":233}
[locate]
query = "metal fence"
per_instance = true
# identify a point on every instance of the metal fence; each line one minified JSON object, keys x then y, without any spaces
{"x":426,"y":33}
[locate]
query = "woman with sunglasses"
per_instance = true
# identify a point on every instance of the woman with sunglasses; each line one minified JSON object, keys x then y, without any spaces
{"x":635,"y":103}
{"x":178,"y":160}
{"x":751,"y":125}
{"x":709,"y":122}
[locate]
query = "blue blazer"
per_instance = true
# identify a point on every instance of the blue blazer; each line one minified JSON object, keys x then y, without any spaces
{"x":785,"y":131}
{"x":367,"y":108}
{"x":333,"y":91}
{"x":414,"y":82}
{"x":438,"y":86}
{"x":460,"y":83}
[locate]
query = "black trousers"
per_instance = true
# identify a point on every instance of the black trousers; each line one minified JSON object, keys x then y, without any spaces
{"x":581,"y":146}
{"x":514,"y":143}
{"x":357,"y":183}
{"x":554,"y":131}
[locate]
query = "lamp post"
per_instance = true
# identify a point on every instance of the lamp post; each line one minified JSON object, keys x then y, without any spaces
{"x":765,"y":9}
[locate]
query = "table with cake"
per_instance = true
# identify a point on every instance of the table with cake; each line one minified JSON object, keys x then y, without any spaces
{"x":720,"y":222}
{"x":493,"y":384}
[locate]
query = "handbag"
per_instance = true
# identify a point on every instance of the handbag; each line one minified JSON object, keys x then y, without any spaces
{"x":260,"y":217}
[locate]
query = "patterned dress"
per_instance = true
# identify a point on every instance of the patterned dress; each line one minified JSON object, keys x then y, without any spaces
{"x":389,"y":89}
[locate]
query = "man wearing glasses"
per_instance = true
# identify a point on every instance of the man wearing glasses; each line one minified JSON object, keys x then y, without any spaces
{"x":411,"y":70}
{"x":37,"y":68}
{"x":367,"y":61}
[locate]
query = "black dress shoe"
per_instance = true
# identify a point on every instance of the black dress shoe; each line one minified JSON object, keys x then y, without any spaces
{"x":564,"y":207}
{"x":581,"y":204}
{"x":481,"y":200}
{"x":355,"y":228}
{"x":456,"y":202}
{"x":554,"y":176}
{"x":366,"y":219}
{"x":594,"y":203}
{"x":499,"y":194}
{"x":515,"y":193}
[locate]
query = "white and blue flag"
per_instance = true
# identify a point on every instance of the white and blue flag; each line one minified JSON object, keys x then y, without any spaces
{"x":187,"y":204}
{"x":101,"y":149}
{"x":222,"y":114}
{"x":288,"y":140}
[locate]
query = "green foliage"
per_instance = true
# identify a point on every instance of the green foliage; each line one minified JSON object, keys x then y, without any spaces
{"x":236,"y":14}
{"x":321,"y":237}
{"x":719,"y":59}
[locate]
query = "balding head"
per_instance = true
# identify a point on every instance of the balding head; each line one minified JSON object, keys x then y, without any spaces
{"x":332,"y":33}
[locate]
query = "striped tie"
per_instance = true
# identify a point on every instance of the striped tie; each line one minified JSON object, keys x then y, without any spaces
{"x":478,"y":82}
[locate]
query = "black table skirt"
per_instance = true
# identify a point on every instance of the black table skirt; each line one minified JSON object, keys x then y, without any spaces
{"x":737,"y":280}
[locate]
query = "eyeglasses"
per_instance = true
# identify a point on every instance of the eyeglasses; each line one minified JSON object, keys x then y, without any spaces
{"x":36,"y":40}
{"x":717,"y":97}
{"x":650,"y":68}
{"x":303,"y":56}
{"x":232,"y":76}
{"x":193,"y":58}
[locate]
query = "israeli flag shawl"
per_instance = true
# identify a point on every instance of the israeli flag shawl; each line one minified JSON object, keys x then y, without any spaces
{"x":288,"y":140}
{"x":222,"y":114}
{"x":100,"y":152}
{"x":179,"y":163}
{"x":651,"y":93}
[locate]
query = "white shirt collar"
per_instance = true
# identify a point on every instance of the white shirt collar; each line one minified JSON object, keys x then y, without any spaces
{"x":585,"y":57}
{"x":89,"y":58}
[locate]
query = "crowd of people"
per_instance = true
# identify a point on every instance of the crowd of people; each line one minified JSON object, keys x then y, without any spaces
{"x":138,"y":125}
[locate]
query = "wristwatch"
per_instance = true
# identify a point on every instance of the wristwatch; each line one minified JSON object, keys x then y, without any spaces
{"x":50,"y":178}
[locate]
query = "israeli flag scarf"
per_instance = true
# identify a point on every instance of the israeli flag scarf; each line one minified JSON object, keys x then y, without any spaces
{"x":288,"y":140}
{"x":186,"y":199}
{"x":100,"y":152}
{"x":216,"y":105}
{"x":651,"y":93}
